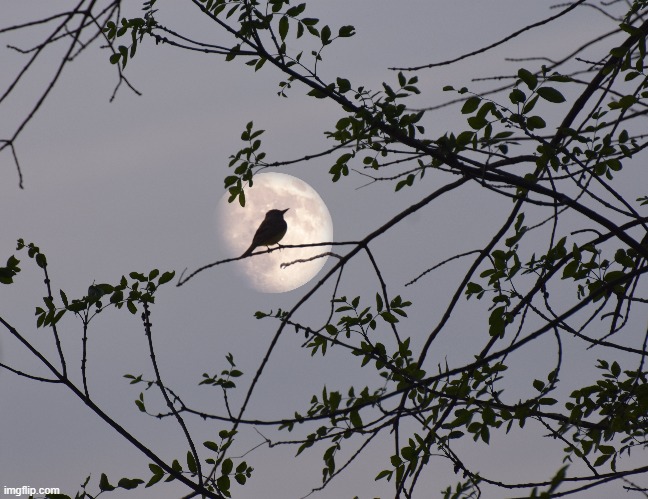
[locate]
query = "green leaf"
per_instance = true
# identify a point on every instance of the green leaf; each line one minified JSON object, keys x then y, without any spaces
{"x":464,"y":138}
{"x":104,"y":484}
{"x":528,"y":78}
{"x":551,"y":94}
{"x":477,"y":122}
{"x":517,"y":96}
{"x":153,"y":480}
{"x":379,"y":302}
{"x":389,"y":317}
{"x":497,"y":322}
{"x":408,"y":453}
{"x":408,"y":181}
{"x":356,"y":420}
{"x":129,"y":483}
{"x":223,"y":483}
{"x":346,"y":31}
{"x":155,"y":469}
{"x":558,"y":478}
{"x":166,"y":277}
{"x":471,"y":105}
{"x":530,"y":104}
{"x":325,"y":35}
{"x":41,"y":261}
{"x":534,"y":122}
{"x":343,"y":85}
{"x":283,"y":27}
{"x":227,"y":467}
{"x":191,"y":463}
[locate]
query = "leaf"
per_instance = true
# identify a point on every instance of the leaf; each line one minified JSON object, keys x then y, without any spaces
{"x":191,"y":463}
{"x":283,"y":27}
{"x":409,"y":181}
{"x":296,"y":10}
{"x":558,"y":478}
{"x":104,"y":484}
{"x":551,"y":94}
{"x":166,"y":277}
{"x":153,"y":480}
{"x":41,"y":261}
{"x":346,"y":31}
{"x":129,"y":483}
{"x":477,"y":122}
{"x":379,"y":302}
{"x":534,"y":122}
{"x":384,"y":474}
{"x":137,"y":276}
{"x":408,"y":453}
{"x":497,"y":322}
{"x":528,"y":78}
{"x":517,"y":96}
{"x":223,"y":483}
{"x":471,"y":105}
{"x":356,"y":420}
{"x":343,"y":85}
{"x":389,"y":317}
{"x":155,"y":469}
{"x":530,"y":104}
{"x":325,"y":35}
{"x":227,"y":467}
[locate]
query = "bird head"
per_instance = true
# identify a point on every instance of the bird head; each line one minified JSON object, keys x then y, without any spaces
{"x":276,"y":213}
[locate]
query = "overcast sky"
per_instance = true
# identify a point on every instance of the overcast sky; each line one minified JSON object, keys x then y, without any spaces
{"x":134,"y":184}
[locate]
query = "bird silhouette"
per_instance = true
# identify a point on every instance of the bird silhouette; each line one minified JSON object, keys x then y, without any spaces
{"x":271,"y":231}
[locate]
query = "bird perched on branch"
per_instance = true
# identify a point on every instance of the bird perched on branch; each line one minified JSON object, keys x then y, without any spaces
{"x":271,"y":231}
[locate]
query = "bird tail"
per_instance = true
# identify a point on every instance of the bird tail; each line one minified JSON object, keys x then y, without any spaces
{"x":248,"y":252}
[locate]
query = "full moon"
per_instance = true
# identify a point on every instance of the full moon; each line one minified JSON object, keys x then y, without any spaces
{"x":308,"y":219}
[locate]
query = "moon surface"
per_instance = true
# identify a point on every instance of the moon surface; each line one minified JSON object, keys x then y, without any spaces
{"x":308,"y":219}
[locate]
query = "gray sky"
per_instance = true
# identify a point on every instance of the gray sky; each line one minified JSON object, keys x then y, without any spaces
{"x":133,"y":185}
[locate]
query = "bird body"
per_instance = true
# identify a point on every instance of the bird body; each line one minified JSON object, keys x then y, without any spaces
{"x":271,"y":231}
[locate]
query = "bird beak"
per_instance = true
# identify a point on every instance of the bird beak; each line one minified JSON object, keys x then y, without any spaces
{"x":284,"y":211}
